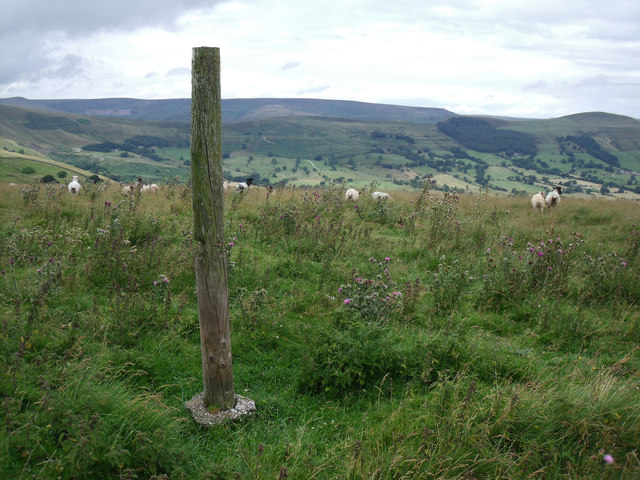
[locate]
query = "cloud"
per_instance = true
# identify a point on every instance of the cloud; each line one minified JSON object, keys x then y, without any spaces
{"x":77,"y":18}
{"x":290,"y":65}
{"x":503,"y":55}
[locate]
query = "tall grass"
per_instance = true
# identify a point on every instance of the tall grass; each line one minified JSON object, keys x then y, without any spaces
{"x":432,"y":336}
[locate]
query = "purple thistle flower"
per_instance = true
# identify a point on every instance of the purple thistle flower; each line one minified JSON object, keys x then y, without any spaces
{"x":387,"y":259}
{"x":12,"y":261}
{"x":347,"y":301}
{"x":608,"y":459}
{"x":165,"y":280}
{"x":624,"y":264}
{"x":155,"y":283}
{"x":39,"y":270}
{"x":540,"y":254}
{"x":2,"y":271}
{"x":340,"y":290}
{"x":51,"y":260}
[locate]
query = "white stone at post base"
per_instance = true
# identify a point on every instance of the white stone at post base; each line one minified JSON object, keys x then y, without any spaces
{"x":244,"y":406}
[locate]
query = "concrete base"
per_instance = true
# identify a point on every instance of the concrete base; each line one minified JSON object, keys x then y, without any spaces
{"x":244,"y":406}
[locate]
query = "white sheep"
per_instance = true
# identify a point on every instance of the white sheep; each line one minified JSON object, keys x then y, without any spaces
{"x":225,"y":186}
{"x":352,"y":194}
{"x":380,"y":196}
{"x":242,"y":186}
{"x":553,"y":198}
{"x":152,"y":187}
{"x":74,"y":186}
{"x":538,"y":201}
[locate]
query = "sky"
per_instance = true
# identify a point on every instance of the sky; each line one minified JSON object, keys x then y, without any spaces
{"x":532,"y":59}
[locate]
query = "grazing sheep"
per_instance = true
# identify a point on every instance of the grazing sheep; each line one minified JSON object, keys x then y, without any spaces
{"x":553,"y":198}
{"x":242,"y":186}
{"x":352,"y":194}
{"x":74,"y":186}
{"x":152,"y":187}
{"x":225,"y":186}
{"x":538,"y":201}
{"x":380,"y":196}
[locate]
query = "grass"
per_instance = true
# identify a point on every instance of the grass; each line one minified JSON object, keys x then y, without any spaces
{"x":480,"y":339}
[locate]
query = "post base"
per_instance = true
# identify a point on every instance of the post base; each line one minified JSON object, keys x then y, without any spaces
{"x":244,"y":406}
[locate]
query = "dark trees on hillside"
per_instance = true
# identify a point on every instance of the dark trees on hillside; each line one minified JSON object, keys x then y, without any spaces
{"x":592,"y":147}
{"x":481,"y":136}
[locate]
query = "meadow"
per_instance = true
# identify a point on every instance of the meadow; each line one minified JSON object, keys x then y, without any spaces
{"x":434,"y":336}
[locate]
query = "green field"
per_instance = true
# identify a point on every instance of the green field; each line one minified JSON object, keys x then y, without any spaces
{"x":433,"y":336}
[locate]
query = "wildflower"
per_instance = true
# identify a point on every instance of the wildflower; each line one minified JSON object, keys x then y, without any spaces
{"x":39,"y":270}
{"x":231,"y":244}
{"x":540,"y":254}
{"x":347,"y":301}
{"x":624,"y":264}
{"x":2,"y":271}
{"x":51,"y":260}
{"x":396,"y":294}
{"x":155,"y":283}
{"x":12,"y":261}
{"x":386,"y":259}
{"x":49,"y":243}
{"x":165,"y":280}
{"x":608,"y":459}
{"x":340,"y":290}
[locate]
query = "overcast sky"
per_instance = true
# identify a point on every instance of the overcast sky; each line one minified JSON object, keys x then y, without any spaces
{"x":541,"y":58}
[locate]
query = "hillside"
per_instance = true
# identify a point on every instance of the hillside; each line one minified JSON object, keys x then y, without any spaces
{"x":317,"y":142}
{"x":233,"y":110}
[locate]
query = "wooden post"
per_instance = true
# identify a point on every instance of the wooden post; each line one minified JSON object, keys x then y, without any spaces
{"x":208,"y":231}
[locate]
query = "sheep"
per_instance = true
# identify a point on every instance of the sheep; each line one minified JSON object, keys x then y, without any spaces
{"x":152,"y":187}
{"x":352,"y":194}
{"x":538,"y":201}
{"x":380,"y":196}
{"x":553,"y":198}
{"x":242,"y":186}
{"x":74,"y":186}
{"x":225,"y":186}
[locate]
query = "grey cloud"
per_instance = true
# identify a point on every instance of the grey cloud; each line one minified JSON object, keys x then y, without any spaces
{"x":176,"y":72}
{"x":80,"y":17}
{"x":68,"y":67}
{"x":290,"y":65}
{"x":539,"y":85}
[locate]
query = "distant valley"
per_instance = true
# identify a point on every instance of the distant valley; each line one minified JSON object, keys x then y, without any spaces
{"x":309,"y":142}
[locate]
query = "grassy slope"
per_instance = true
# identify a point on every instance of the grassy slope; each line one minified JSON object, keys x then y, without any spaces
{"x":485,"y":365}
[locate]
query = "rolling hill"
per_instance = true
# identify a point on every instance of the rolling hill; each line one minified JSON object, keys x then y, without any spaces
{"x":316,"y":142}
{"x":233,"y":110}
